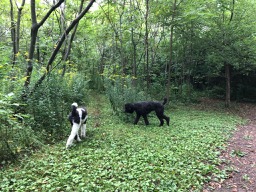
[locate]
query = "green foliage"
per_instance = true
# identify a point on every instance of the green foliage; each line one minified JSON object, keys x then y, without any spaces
{"x":123,"y":157}
{"x":216,"y":92}
{"x":50,"y":104}
{"x":113,"y":34}
{"x":120,"y":90}
{"x":16,"y":136}
{"x":185,"y":94}
{"x":246,"y":92}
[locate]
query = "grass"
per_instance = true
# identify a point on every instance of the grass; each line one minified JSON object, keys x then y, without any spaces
{"x":118,"y":156}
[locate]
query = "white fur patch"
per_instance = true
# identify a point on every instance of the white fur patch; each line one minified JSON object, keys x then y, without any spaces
{"x":83,"y":130}
{"x":73,"y":133}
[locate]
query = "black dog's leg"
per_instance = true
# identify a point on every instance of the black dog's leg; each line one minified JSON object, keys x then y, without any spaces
{"x":167,"y":119}
{"x":146,"y":119}
{"x":137,"y":119}
{"x":161,"y":120}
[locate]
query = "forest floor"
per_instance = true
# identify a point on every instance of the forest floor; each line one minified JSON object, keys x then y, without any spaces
{"x":240,"y":154}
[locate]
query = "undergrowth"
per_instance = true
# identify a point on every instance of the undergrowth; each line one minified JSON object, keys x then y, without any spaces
{"x":118,"y":156}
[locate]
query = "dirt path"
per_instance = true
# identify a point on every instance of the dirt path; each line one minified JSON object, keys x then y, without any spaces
{"x":240,"y":157}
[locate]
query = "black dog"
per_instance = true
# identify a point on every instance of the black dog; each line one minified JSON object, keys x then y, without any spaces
{"x":144,"y":108}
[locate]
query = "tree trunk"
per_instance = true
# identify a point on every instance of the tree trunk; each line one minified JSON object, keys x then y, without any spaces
{"x":227,"y":75}
{"x":68,"y":50}
{"x":13,"y":34}
{"x":34,"y":31}
{"x":171,"y":43}
{"x":134,"y":65}
{"x":18,"y":25}
{"x":62,"y":39}
{"x":122,"y":55}
{"x":226,"y":65}
{"x":15,"y":29}
{"x":146,"y":46}
{"x":169,"y":67}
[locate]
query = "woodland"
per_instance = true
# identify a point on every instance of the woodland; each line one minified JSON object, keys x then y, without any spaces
{"x":103,"y":54}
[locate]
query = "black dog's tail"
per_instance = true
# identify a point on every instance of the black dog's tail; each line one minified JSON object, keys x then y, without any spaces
{"x":165,"y":101}
{"x":74,"y":107}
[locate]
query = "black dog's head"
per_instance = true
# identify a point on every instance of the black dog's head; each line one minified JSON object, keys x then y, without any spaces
{"x":128,"y":108}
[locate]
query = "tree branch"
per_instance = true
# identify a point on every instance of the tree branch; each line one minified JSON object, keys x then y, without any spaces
{"x":50,"y":12}
{"x":34,"y":30}
{"x":68,"y":50}
{"x":56,"y":50}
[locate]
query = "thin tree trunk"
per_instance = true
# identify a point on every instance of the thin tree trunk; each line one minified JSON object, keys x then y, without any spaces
{"x":226,"y":65}
{"x":13,"y":34}
{"x":68,"y":50}
{"x":122,"y":55}
{"x":33,"y":34}
{"x":18,"y":25}
{"x":146,"y":46}
{"x":227,"y":75}
{"x":134,"y":65}
{"x":171,"y":50}
{"x":169,"y":67}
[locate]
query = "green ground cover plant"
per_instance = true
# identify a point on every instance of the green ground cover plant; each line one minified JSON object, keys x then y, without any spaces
{"x":118,"y":156}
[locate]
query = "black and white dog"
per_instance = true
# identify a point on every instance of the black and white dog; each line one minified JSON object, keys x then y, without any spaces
{"x":144,"y":108}
{"x":77,"y":118}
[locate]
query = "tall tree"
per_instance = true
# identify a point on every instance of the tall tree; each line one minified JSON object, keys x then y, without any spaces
{"x":34,"y":31}
{"x":61,"y":41}
{"x":147,"y":45}
{"x":134,"y":44}
{"x":20,"y":8}
{"x":226,"y":64}
{"x":174,"y":8}
{"x":13,"y":33}
{"x":15,"y":28}
{"x":68,"y":49}
{"x":230,"y":28}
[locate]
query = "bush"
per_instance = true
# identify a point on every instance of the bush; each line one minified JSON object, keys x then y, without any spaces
{"x":120,"y":90}
{"x":217,"y":92}
{"x":188,"y":94}
{"x":16,"y":136}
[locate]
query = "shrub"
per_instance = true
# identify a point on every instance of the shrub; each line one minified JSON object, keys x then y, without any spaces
{"x":120,"y":90}
{"x":216,"y":92}
{"x":16,"y":136}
